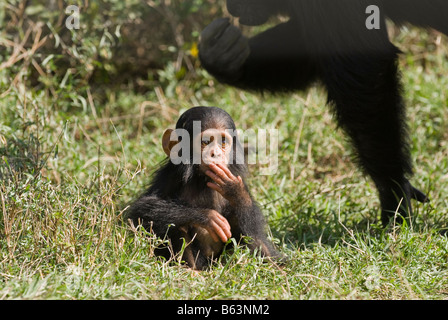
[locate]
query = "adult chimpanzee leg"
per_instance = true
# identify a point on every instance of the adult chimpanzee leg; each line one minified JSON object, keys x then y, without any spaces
{"x":330,"y":41}
{"x":359,"y":69}
{"x":277,"y":60}
{"x":369,"y":107}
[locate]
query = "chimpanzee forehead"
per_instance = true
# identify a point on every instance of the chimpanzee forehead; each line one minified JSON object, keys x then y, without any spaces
{"x":216,"y":133}
{"x":210,"y":117}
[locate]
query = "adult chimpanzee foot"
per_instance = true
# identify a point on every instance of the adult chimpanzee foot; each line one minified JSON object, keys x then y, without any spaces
{"x":396,"y":201}
{"x":396,"y":212}
{"x":418,"y":195}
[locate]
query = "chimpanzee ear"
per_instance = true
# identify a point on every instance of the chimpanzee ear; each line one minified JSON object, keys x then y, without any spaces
{"x":167,"y":142}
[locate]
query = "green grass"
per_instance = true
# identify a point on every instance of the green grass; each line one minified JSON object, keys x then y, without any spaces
{"x":68,"y":175}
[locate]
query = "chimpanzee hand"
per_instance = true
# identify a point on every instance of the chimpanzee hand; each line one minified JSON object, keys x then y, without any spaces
{"x":223,"y":49}
{"x":230,"y":187}
{"x":217,"y":226}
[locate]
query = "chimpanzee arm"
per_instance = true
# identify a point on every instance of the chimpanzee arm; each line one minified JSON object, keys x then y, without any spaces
{"x":248,"y":221}
{"x":242,"y":211}
{"x":275,"y":60}
{"x":159,"y":215}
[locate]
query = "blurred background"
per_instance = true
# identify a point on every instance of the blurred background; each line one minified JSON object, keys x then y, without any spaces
{"x":135,"y":43}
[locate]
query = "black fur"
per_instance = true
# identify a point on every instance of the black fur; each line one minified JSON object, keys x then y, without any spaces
{"x":179,"y":197}
{"x":328,"y":41}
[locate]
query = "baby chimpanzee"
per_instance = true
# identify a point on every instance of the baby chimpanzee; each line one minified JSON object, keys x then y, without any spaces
{"x":198,"y":197}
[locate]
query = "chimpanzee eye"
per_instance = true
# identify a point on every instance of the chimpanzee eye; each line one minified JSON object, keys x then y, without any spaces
{"x":205,"y":143}
{"x":223,"y":143}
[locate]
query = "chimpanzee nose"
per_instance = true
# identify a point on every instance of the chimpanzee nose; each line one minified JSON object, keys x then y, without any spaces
{"x":215,"y":152}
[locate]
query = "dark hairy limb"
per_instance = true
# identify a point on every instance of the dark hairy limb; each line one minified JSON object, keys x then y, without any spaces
{"x":268,"y":61}
{"x":248,"y":221}
{"x":245,"y":217}
{"x":328,"y":41}
{"x":162,"y":215}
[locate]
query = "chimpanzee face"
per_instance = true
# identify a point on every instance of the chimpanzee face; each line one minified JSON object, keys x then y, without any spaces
{"x":214,"y":144}
{"x":204,"y":135}
{"x":254,"y":12}
{"x":216,"y":147}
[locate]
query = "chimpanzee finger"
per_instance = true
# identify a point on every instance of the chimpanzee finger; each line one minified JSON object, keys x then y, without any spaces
{"x":238,"y":55}
{"x":214,"y":177}
{"x":232,"y":57}
{"x":214,"y":30}
{"x":212,"y":232}
{"x":225,"y":225}
{"x":218,"y":232}
{"x":216,"y":188}
{"x":227,"y":171}
{"x":224,"y":229}
{"x":220,"y":172}
{"x":227,"y":39}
